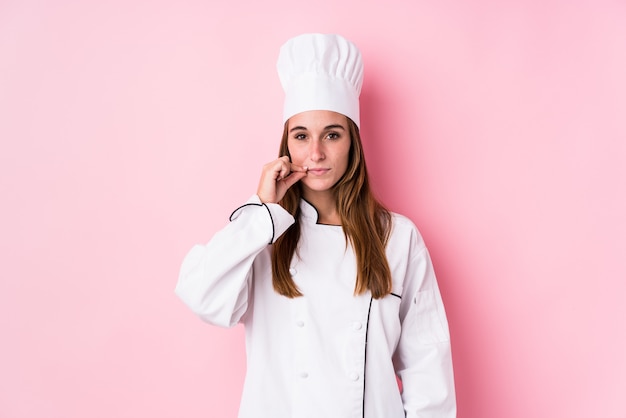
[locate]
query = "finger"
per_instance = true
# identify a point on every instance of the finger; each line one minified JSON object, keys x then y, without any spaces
{"x":294,"y":177}
{"x":292,"y":169}
{"x":301,"y":168}
{"x":278,"y":168}
{"x":283,"y":171}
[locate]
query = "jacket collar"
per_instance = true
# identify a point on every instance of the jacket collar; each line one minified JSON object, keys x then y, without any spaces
{"x":308,"y":211}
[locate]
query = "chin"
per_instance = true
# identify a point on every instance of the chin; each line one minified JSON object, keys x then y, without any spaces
{"x":319,"y":187}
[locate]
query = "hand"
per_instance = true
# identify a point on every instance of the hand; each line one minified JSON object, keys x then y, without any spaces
{"x":277,"y":177}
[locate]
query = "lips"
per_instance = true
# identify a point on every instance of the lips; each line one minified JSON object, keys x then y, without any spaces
{"x":318,"y":171}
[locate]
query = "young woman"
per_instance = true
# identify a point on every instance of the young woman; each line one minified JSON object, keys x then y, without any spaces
{"x":337,"y":294}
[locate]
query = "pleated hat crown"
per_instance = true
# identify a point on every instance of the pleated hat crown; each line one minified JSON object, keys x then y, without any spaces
{"x":320,"y":72}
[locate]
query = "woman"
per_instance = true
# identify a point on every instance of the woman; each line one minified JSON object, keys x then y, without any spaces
{"x":337,"y":295}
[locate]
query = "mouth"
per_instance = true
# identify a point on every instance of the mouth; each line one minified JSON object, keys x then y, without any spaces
{"x":318,"y":171}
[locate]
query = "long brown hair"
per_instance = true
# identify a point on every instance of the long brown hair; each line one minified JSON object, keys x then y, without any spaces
{"x":365,"y":221}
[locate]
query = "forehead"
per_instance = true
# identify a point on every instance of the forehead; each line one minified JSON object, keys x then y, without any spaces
{"x":317,"y":119}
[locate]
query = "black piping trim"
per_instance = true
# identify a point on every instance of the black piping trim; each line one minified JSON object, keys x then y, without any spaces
{"x":367,"y":325}
{"x":398,"y":296}
{"x":271,"y":219}
{"x":230,"y":218}
{"x":317,"y":220}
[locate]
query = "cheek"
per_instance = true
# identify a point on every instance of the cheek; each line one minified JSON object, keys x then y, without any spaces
{"x":296,"y":155}
{"x":345,"y":157}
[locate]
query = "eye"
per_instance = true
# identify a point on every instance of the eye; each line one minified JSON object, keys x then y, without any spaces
{"x":333,"y":136}
{"x":299,"y":136}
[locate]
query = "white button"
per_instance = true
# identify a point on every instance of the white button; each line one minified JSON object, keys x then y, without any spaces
{"x":304,"y":375}
{"x":354,"y":376}
{"x":300,"y":323}
{"x":293,"y":271}
{"x":357,"y":326}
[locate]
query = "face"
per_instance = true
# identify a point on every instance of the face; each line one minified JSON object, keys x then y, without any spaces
{"x":319,"y":140}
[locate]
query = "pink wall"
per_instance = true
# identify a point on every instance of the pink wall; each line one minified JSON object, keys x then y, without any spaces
{"x":130,"y":129}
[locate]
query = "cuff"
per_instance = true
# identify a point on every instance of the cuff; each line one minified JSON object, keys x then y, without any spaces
{"x":281,"y":219}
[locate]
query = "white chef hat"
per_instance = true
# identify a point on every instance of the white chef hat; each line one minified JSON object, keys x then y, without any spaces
{"x":320,"y":72}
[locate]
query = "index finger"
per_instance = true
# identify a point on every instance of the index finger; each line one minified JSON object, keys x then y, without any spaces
{"x":300,"y":168}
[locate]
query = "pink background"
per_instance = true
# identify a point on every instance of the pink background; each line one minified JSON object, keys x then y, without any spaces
{"x":130,"y":130}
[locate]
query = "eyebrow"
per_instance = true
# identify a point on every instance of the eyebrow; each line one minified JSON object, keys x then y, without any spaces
{"x":329,"y":127}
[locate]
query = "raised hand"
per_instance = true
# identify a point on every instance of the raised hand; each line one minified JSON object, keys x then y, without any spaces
{"x":277,"y":177}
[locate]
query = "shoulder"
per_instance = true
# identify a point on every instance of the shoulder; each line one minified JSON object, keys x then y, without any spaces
{"x":402,"y":221}
{"x":402,"y":224}
{"x":405,"y":234}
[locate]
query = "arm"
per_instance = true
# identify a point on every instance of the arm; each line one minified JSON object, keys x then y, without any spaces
{"x":214,"y":278}
{"x":423,"y":357}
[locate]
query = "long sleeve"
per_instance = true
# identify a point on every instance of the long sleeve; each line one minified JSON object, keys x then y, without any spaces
{"x":423,"y":359}
{"x":214,"y":278}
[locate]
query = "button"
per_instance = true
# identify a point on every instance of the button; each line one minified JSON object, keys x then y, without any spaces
{"x":300,"y":323}
{"x":354,"y":376}
{"x":293,"y":271}
{"x":304,"y":375}
{"x":357,"y":326}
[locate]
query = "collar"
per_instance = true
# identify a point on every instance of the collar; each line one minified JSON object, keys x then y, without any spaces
{"x":308,"y":211}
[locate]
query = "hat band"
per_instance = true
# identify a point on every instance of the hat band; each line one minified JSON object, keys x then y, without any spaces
{"x":312,"y":92}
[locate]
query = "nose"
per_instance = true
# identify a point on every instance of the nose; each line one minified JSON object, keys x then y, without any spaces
{"x":316,"y":150}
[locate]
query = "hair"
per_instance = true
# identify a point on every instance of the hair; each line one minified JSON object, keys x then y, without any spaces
{"x":365,"y":221}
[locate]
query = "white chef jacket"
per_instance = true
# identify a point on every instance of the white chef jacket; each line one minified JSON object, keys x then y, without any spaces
{"x":329,"y":353}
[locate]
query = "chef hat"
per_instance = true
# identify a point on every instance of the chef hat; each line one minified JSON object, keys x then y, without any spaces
{"x":320,"y":72}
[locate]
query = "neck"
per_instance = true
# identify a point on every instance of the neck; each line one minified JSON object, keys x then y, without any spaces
{"x":326,"y":205}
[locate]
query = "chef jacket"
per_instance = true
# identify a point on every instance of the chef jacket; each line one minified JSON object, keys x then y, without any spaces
{"x":329,"y":353}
